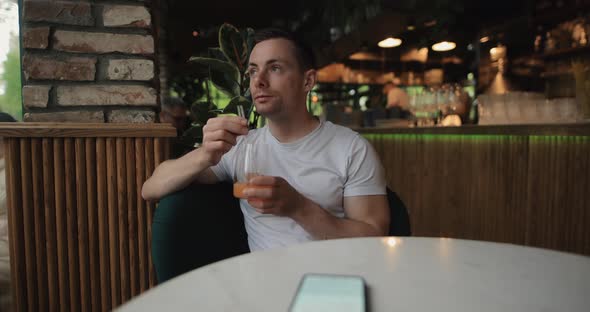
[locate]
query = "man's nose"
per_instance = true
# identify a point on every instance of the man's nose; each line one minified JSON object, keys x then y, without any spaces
{"x":260,"y":80}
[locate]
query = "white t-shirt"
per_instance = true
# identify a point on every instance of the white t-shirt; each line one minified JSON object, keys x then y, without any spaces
{"x":326,"y":165}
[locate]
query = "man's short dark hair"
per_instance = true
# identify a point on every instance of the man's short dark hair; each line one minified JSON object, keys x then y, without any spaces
{"x":303,"y":52}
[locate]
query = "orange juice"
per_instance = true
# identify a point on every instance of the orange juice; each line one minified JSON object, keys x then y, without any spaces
{"x":239,"y":189}
{"x":241,"y":186}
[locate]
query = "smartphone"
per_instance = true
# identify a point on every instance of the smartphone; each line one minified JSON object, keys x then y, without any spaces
{"x":327,"y":292}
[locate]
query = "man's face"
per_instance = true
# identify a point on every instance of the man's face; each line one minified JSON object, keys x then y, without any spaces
{"x":175,"y":116}
{"x":277,"y":82}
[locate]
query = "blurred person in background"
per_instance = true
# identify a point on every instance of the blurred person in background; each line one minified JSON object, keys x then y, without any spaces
{"x":398,"y":102}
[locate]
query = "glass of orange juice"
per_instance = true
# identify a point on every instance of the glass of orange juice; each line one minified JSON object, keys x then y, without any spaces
{"x":250,"y":163}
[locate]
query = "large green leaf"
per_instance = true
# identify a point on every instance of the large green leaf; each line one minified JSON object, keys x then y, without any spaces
{"x":233,"y":45}
{"x":217,"y":65}
{"x":224,"y":75}
{"x":216,"y":53}
{"x":248,"y":36}
{"x":202,"y":111}
{"x":225,"y":83}
{"x":232,"y":107}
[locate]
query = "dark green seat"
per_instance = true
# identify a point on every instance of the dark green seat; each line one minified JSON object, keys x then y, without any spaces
{"x":194,"y":227}
{"x":399,"y":222}
{"x":203,"y":224}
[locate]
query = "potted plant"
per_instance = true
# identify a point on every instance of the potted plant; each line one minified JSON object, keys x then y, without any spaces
{"x":225,"y":67}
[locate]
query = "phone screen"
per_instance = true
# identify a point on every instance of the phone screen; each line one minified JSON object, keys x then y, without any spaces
{"x":324,"y":292}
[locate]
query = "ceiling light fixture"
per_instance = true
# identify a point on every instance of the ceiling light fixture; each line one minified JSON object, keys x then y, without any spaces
{"x":444,"y":46}
{"x":484,"y":39}
{"x":389,"y":42}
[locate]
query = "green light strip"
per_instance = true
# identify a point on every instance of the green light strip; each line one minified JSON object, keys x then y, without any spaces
{"x":475,"y":137}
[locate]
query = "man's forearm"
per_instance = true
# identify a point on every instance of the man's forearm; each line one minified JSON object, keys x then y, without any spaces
{"x":322,"y":225}
{"x":173,"y":175}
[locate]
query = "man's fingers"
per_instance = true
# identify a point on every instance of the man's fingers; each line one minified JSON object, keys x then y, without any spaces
{"x":262,"y":206}
{"x":220,"y":135}
{"x":263,"y":192}
{"x":233,"y":124}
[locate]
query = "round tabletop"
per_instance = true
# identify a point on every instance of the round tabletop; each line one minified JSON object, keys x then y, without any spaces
{"x":402,"y":274}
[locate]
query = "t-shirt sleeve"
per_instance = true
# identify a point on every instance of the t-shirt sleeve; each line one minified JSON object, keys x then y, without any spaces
{"x":365,"y":173}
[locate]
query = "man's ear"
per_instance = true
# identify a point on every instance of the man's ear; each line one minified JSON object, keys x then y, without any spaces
{"x":310,"y":77}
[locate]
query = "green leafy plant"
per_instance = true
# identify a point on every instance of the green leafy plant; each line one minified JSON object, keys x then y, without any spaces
{"x":225,"y":67}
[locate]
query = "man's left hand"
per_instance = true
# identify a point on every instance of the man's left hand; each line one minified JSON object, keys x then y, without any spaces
{"x":273,"y":195}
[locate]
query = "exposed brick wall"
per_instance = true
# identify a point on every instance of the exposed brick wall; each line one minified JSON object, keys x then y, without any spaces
{"x":90,"y":61}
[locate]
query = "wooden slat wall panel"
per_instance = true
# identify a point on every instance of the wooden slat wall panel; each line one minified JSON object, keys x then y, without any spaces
{"x":132,"y":216}
{"x":123,"y":218}
{"x":80,"y":236}
{"x":71,"y":221}
{"x":15,"y":216}
{"x":39,"y":222}
{"x":559,"y":211}
{"x":82,"y":223}
{"x":151,"y":206}
{"x":28,"y":222}
{"x":112,"y":222}
{"x":141,"y":216}
{"x":60,"y":222}
{"x":93,"y":224}
{"x":103,"y":232}
{"x":50,"y":225}
{"x":515,"y":189}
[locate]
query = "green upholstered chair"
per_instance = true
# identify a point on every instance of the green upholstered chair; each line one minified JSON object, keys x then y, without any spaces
{"x":203,"y":224}
{"x":194,"y":227}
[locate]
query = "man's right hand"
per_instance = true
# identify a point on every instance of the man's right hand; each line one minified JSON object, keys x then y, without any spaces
{"x":220,"y":135}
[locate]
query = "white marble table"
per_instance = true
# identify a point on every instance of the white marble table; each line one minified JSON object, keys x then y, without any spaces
{"x":402,"y":274}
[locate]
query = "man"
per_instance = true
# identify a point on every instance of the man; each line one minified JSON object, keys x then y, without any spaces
{"x":396,"y":97}
{"x":327,"y":181}
{"x":174,"y":112}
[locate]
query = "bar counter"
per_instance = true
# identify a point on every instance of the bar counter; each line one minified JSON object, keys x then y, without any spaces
{"x":521,"y":184}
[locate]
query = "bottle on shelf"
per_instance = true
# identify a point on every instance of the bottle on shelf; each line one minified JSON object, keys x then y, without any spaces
{"x":549,"y":42}
{"x":539,"y":43}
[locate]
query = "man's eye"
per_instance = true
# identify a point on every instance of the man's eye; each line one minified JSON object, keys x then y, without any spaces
{"x":251,"y":72}
{"x":275,"y":68}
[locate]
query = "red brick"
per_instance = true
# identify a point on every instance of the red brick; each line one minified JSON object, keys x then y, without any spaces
{"x":126,"y":16}
{"x":35,"y":96}
{"x":36,"y":37}
{"x":131,"y":116}
{"x":69,"y":13}
{"x":86,"y":42}
{"x":69,"y":116}
{"x":106,"y":95}
{"x":51,"y":68}
{"x":130,"y":69}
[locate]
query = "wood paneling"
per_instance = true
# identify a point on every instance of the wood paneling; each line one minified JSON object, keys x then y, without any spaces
{"x":528,"y":190}
{"x":82,"y":130}
{"x":79,"y":229}
{"x":581,"y":128}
